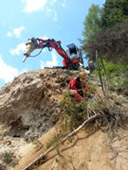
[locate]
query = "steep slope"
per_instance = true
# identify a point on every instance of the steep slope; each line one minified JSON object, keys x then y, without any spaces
{"x":29,"y":107}
{"x":30,"y":117}
{"x":91,"y":148}
{"x":32,"y":99}
{"x":86,"y":151}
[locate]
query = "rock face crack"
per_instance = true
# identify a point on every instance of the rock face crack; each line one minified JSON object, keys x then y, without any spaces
{"x":30,"y":103}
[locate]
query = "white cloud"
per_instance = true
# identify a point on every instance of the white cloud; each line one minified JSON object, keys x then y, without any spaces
{"x":52,"y":14}
{"x":16,"y":32}
{"x":63,"y":4}
{"x":42,"y":64}
{"x":34,"y":5}
{"x":53,"y":62}
{"x":7,"y":72}
{"x":9,"y":34}
{"x":20,"y":48}
{"x":44,"y":37}
{"x":52,"y":2}
{"x":50,"y":63}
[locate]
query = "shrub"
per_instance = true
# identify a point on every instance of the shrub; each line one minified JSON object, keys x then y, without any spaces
{"x":7,"y":156}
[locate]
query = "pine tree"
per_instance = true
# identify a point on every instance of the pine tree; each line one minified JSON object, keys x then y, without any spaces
{"x":92,"y":23}
{"x":114,"y":12}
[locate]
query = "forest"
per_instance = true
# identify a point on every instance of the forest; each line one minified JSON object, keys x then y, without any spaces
{"x":106,"y":31}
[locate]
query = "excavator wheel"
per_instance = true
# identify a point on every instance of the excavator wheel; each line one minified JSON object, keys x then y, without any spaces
{"x":75,"y":66}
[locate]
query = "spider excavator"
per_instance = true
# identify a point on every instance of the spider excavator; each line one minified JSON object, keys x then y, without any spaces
{"x":72,"y":57}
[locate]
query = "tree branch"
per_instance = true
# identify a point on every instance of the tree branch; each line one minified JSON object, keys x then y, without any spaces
{"x":63,"y":140}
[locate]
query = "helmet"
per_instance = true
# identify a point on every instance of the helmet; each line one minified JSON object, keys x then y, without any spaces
{"x":82,"y":75}
{"x":90,"y":62}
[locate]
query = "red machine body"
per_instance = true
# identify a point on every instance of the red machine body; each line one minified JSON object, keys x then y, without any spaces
{"x":70,"y":60}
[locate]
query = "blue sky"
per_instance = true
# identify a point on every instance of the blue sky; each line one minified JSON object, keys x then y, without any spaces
{"x":23,"y":19}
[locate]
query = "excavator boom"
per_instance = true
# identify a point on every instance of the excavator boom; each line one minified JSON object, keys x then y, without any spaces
{"x":38,"y":43}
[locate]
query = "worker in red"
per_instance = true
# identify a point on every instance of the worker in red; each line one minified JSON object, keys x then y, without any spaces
{"x":76,"y":86}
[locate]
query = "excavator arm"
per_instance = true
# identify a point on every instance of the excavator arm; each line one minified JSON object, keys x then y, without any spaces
{"x":37,"y":43}
{"x":51,"y":43}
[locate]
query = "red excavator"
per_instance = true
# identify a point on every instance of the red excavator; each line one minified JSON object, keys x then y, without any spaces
{"x":72,"y":57}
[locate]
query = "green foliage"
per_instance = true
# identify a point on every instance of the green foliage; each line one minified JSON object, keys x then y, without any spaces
{"x":92,"y":23}
{"x":90,"y":92}
{"x":14,"y":163}
{"x":75,"y":112}
{"x":54,"y":141}
{"x":7,"y":156}
{"x":124,"y":87}
{"x":110,"y":44}
{"x":118,"y":77}
{"x":114,"y":11}
{"x":62,"y":103}
{"x":106,"y":30}
{"x":113,"y":69}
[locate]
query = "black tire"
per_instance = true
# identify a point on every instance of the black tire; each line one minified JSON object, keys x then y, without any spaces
{"x":74,"y":66}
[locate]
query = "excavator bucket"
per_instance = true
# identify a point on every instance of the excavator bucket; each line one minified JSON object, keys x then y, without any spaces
{"x":29,"y":48}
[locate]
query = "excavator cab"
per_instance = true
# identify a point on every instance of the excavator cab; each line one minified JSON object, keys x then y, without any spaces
{"x":74,"y":52}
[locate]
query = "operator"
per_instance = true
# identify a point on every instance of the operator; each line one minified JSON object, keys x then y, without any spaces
{"x":91,"y":66}
{"x":76,"y":86}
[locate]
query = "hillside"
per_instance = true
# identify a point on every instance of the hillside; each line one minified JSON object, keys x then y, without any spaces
{"x":32,"y":115}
